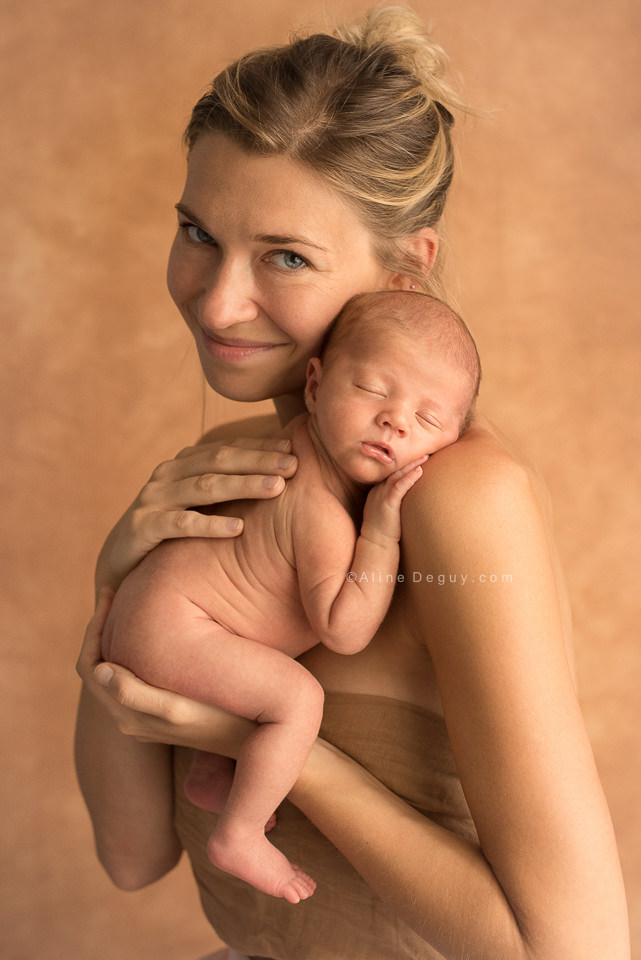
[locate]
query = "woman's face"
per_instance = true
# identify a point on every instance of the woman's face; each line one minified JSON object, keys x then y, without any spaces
{"x":265,"y":256}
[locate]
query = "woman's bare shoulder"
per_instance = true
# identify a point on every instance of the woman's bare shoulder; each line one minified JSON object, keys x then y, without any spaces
{"x":266,"y":425}
{"x":484,"y":455}
{"x":481,"y":475}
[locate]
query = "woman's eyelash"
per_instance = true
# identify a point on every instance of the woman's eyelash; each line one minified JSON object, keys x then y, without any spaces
{"x":292,"y":255}
{"x":195,"y":233}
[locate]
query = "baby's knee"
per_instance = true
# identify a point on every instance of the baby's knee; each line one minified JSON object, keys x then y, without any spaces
{"x":311,"y":696}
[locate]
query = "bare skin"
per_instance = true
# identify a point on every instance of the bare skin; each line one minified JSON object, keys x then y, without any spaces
{"x":507,"y":898}
{"x":284,"y":588}
{"x":544,"y":883}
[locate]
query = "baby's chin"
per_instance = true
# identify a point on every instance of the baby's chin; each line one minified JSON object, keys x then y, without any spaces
{"x":370,"y":471}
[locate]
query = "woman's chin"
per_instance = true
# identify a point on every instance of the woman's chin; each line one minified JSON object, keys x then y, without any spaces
{"x":249,"y":387}
{"x":239,"y":389}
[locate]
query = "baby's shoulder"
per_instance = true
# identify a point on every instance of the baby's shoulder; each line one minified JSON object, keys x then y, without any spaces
{"x":314,"y":485}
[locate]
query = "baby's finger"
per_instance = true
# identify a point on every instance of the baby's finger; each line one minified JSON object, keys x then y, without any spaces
{"x":409,"y":467}
{"x":404,"y":483}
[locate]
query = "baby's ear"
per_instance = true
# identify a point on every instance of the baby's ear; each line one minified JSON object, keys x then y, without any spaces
{"x":314,"y":373}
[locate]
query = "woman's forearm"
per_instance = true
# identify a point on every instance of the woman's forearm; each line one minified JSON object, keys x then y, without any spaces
{"x":545,"y":883}
{"x":127,"y":786}
{"x":436,"y":882}
{"x":440,"y":884}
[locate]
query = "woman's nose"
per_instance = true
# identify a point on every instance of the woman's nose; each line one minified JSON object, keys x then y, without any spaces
{"x":395,"y":419}
{"x":228,"y":296}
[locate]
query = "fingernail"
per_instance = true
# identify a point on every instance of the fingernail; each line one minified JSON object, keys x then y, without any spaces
{"x":103,"y":674}
{"x":234,"y":525}
{"x":271,"y":482}
{"x":283,"y":445}
{"x":285,"y":463}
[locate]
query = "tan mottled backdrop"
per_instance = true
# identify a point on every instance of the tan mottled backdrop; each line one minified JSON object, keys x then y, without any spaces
{"x":100,"y":382}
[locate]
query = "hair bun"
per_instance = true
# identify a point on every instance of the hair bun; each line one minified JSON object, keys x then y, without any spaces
{"x":402,"y":31}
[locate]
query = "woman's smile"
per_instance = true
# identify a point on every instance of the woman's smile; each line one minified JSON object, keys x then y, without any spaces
{"x":259,"y":272}
{"x":234,"y":349}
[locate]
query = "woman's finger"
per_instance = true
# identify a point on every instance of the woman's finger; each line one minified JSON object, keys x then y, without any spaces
{"x":132,"y":693}
{"x":209,"y":488}
{"x":90,"y":653}
{"x":175,"y":524}
{"x":275,"y":444}
{"x":225,"y":459}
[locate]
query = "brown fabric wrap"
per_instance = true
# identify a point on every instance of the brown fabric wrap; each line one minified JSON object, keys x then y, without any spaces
{"x":404,"y":746}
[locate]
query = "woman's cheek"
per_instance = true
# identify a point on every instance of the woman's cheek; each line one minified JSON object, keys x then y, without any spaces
{"x":175,"y":273}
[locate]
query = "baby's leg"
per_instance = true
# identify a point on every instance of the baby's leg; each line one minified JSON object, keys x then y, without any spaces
{"x":209,"y":781}
{"x":170,"y":642}
{"x":267,"y":686}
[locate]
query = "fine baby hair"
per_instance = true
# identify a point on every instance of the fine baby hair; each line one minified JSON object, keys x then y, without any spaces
{"x":429,"y":321}
{"x":368,"y":109}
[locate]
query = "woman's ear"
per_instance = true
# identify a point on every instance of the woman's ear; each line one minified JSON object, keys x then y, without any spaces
{"x":422,"y":248}
{"x":314,"y":373}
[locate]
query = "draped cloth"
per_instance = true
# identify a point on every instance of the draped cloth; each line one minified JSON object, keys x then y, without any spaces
{"x":407,"y":748}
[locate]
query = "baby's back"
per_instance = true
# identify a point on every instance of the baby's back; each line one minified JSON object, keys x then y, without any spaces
{"x":247,"y":584}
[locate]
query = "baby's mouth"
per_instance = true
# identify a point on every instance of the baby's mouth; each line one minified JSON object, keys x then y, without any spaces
{"x":378,"y":451}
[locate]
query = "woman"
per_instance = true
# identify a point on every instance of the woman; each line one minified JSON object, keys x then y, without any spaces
{"x":452,"y":807}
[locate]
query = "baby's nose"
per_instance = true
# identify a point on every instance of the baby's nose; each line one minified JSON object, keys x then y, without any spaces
{"x":395,"y":418}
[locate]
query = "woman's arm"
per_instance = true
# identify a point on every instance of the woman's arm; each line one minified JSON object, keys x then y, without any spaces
{"x":227,"y":465}
{"x":126,"y":784}
{"x":545,"y":883}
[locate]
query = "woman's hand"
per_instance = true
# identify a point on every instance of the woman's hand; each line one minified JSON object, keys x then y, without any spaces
{"x":199,"y":476}
{"x":148,"y":713}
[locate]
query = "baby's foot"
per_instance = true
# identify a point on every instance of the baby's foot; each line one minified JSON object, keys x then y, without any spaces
{"x":208,"y":783}
{"x":254,"y":859}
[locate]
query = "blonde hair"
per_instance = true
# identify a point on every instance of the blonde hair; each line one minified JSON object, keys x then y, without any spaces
{"x":368,"y":109}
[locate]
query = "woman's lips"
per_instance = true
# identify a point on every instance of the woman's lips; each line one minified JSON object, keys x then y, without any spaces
{"x":234,"y":348}
{"x":378,"y":451}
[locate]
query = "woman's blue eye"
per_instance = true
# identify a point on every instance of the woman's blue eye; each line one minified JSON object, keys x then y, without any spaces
{"x":289,"y":260}
{"x":196,"y":234}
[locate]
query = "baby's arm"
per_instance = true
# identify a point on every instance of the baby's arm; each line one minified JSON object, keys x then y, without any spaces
{"x":346,"y":589}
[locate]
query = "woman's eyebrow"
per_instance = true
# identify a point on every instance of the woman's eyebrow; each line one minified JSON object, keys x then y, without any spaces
{"x":274,"y":239}
{"x":278,"y":240}
{"x":186,"y":212}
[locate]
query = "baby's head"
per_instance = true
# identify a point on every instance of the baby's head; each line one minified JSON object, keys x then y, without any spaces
{"x":397,"y":378}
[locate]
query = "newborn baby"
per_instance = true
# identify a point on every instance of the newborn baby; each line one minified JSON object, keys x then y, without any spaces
{"x":222,"y":620}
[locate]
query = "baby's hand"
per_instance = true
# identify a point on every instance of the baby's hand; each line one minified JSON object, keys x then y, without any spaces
{"x":382,"y":513}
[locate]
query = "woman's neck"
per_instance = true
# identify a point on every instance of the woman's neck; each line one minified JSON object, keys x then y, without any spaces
{"x":288,"y":406}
